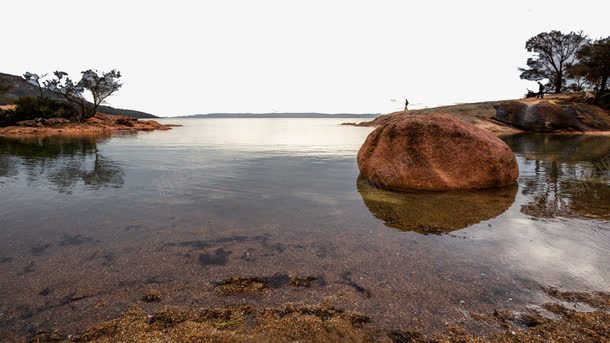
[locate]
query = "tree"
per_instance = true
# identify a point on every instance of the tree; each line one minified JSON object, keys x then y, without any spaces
{"x":34,"y":79}
{"x":62,"y":86}
{"x":593,"y":65}
{"x":100,"y":86}
{"x":554,"y":53}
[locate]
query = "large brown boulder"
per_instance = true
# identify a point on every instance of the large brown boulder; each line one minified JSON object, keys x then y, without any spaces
{"x":435,"y":152}
{"x":551,"y":116}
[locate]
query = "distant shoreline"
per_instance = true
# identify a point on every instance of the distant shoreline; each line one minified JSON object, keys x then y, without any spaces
{"x":278,"y":115}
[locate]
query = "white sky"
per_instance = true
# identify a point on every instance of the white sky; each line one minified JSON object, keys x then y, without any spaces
{"x":186,"y":57}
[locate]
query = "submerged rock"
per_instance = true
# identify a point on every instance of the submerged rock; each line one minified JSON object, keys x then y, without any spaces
{"x":435,"y":212}
{"x":435,"y":152}
{"x":552,"y":116}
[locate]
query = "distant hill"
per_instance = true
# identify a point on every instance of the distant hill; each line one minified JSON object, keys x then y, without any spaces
{"x":283,"y":115}
{"x":23,"y":88}
{"x":123,"y":111}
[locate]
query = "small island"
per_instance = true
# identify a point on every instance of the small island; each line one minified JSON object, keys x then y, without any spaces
{"x":48,"y":106}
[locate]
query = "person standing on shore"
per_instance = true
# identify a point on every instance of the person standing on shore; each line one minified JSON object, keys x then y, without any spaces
{"x":540,"y":91}
{"x":406,"y":104}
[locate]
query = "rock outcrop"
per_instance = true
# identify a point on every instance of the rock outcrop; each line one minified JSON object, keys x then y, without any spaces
{"x":43,"y":122}
{"x":435,"y":152}
{"x":555,"y":113}
{"x":552,"y":116}
{"x":97,"y":124}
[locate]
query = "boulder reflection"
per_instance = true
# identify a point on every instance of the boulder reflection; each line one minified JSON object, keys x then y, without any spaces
{"x":564,"y":175}
{"x":435,"y":212}
{"x":61,"y":162}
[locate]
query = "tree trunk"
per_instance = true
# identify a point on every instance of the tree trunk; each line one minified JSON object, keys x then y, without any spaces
{"x":558,"y":82}
{"x":95,"y":104}
{"x":602,"y":87}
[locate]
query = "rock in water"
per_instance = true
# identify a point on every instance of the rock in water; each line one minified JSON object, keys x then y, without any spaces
{"x":435,"y":152}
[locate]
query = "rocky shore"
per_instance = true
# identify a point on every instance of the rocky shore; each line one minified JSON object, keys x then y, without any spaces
{"x":563,"y":113}
{"x":100,"y":123}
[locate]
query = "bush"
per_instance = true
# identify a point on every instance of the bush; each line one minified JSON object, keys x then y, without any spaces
{"x":7,"y":117}
{"x":604,"y":101}
{"x":29,"y":107}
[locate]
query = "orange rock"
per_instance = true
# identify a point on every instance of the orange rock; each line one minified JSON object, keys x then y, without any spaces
{"x":99,"y":123}
{"x":435,"y":152}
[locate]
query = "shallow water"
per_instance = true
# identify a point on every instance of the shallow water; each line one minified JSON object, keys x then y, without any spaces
{"x":87,"y":225}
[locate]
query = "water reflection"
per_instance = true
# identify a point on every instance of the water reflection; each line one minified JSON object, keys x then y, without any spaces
{"x":63,"y":162}
{"x":283,"y":206}
{"x":564,"y":175}
{"x":435,"y":212}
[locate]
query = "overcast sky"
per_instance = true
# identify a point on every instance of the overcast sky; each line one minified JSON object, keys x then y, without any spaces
{"x":187,"y":57}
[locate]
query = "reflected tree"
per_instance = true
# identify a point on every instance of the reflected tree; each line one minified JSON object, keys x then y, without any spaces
{"x":65,"y":162}
{"x":564,"y":176}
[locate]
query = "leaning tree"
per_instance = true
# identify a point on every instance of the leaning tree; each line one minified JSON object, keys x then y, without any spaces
{"x":100,"y":85}
{"x":554,"y":53}
{"x":64,"y":88}
{"x":36,"y":80}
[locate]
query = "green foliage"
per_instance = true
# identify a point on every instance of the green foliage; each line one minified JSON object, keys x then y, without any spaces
{"x":593,"y":65}
{"x":7,"y":117}
{"x":29,"y":107}
{"x":38,"y":107}
{"x":603,"y":100}
{"x":100,"y":85}
{"x":554,"y":53}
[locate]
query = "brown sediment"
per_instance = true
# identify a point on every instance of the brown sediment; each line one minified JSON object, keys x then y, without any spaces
{"x":151,"y":295}
{"x":598,"y":300}
{"x":100,"y":123}
{"x":325,"y":323}
{"x":240,"y":285}
{"x":318,"y":323}
{"x":260,"y":285}
{"x":298,"y":281}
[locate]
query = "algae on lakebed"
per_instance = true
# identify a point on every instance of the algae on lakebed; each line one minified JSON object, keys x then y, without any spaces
{"x":325,"y":323}
{"x":261,"y":285}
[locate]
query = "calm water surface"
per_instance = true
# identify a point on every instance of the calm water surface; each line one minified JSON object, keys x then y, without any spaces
{"x":87,"y":225}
